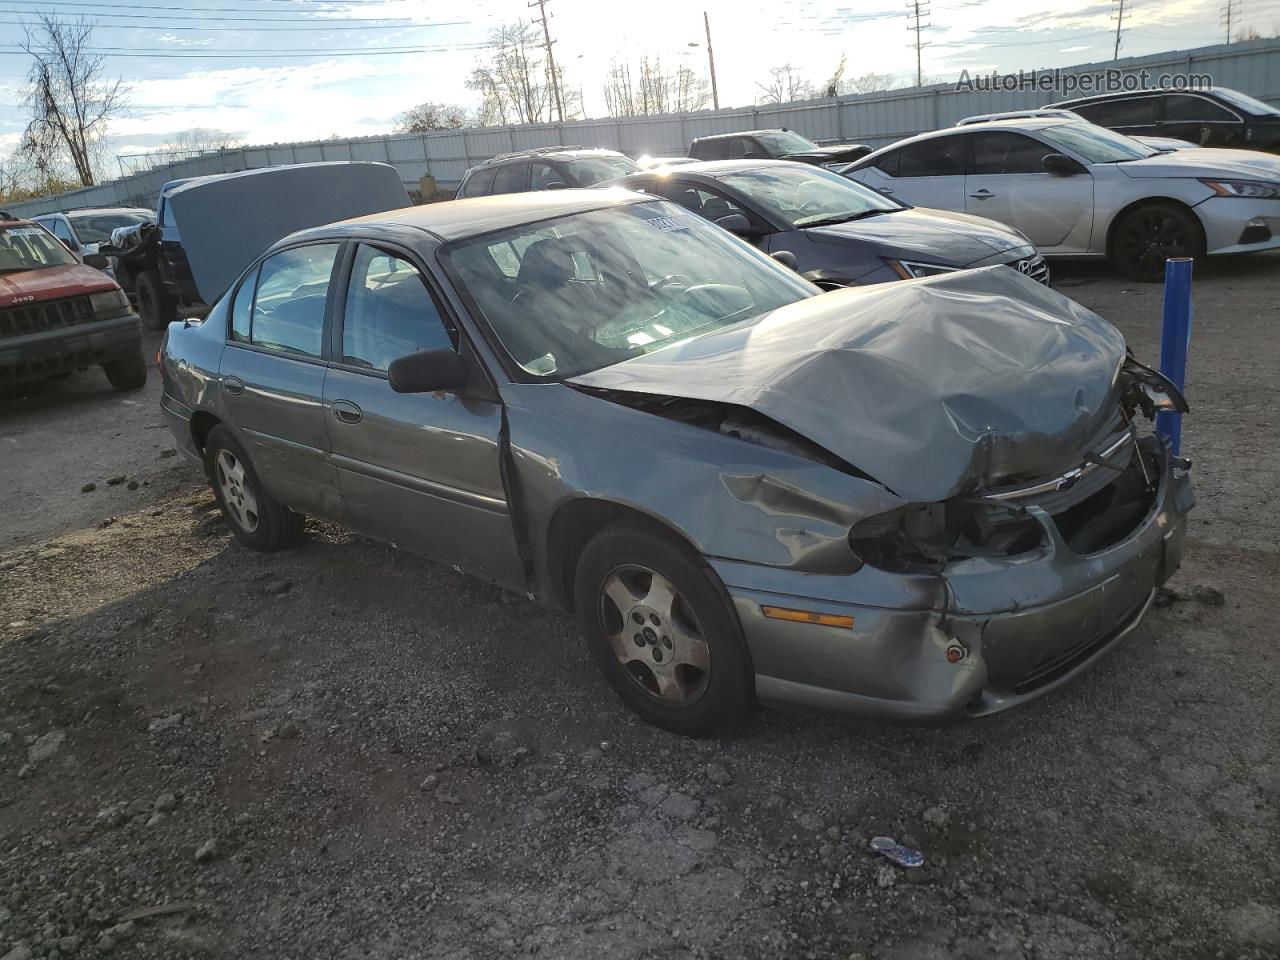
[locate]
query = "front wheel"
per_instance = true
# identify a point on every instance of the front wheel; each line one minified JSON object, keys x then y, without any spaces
{"x":257,"y":520}
{"x":662,"y":631}
{"x":127,"y":373}
{"x":156,"y":308}
{"x":1149,"y":235}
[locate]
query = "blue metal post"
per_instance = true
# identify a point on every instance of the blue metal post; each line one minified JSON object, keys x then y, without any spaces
{"x":1175,"y":336}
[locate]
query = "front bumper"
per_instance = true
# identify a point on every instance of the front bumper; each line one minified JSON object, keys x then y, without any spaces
{"x":35,"y":356}
{"x":1239,"y":224}
{"x":1027,"y":624}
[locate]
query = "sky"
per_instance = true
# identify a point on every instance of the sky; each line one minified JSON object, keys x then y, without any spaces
{"x":284,"y":70}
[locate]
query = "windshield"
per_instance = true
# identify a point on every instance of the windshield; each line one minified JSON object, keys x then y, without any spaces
{"x":1246,"y":102}
{"x":808,"y":196}
{"x":784,"y":141}
{"x":587,"y":171}
{"x":31,"y":248}
{"x":97,"y":227}
{"x":1096,"y":144}
{"x":572,"y":295}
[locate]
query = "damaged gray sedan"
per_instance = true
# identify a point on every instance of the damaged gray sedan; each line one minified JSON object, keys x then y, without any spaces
{"x":915,"y":500}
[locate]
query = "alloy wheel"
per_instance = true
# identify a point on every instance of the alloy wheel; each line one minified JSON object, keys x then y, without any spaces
{"x":237,"y":494}
{"x":1150,"y":237}
{"x":655,"y":635}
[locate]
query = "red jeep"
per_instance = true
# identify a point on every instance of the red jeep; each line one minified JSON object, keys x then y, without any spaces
{"x":58,"y":315}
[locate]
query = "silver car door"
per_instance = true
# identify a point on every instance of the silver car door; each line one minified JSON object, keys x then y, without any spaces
{"x":419,"y":470}
{"x":1007,"y":181}
{"x":925,"y":173}
{"x":272,"y":375}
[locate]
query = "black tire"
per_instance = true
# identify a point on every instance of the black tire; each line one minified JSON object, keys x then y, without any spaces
{"x":712,"y":701}
{"x":1149,"y":234}
{"x":127,"y":373}
{"x":274,"y":526}
{"x":156,"y":308}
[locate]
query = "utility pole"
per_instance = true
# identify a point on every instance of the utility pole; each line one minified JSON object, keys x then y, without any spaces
{"x":1230,"y":15}
{"x":711,"y":59}
{"x":1119,"y":19}
{"x":917,"y":10}
{"x":551,"y":59}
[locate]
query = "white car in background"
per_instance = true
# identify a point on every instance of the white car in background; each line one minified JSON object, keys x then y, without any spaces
{"x":1076,"y":189}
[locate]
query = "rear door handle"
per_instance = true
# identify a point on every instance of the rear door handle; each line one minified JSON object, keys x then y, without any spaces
{"x":885,"y":189}
{"x":983,"y":194}
{"x":233,"y":385}
{"x":347,"y":412}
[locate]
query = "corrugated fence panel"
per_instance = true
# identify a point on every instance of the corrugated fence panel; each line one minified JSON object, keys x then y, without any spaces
{"x":875,"y":118}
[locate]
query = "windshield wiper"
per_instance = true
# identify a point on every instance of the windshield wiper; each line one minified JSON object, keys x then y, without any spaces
{"x":844,"y":218}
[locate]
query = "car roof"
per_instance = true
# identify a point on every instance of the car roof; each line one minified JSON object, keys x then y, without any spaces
{"x":1125,"y":95}
{"x":1016,"y":124}
{"x":714,"y":169}
{"x":547,"y":153}
{"x":472,"y":216}
{"x":742,"y":133}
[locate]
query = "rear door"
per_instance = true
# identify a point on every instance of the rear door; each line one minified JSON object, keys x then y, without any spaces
{"x":273,"y":372}
{"x":1136,"y":116}
{"x":1007,"y":182}
{"x":422,"y":470}
{"x":511,"y":178}
{"x":927,"y":173}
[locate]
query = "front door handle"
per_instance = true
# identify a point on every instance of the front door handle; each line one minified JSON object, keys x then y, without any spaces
{"x":233,"y":385}
{"x":885,"y":189}
{"x":347,"y":412}
{"x":983,"y":194}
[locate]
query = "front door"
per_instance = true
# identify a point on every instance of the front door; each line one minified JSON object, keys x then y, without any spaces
{"x":423,"y":470}
{"x":272,"y":375}
{"x":1199,"y":120}
{"x":1007,"y":182}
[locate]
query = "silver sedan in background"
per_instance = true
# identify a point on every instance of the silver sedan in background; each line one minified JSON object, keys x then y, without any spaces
{"x":1077,"y":189}
{"x":917,"y":499}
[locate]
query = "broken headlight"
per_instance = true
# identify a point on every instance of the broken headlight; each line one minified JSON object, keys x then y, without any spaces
{"x":1149,"y":391}
{"x":925,"y":537}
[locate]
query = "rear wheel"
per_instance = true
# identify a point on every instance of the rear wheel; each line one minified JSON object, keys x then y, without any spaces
{"x":662,"y":631}
{"x":258,"y":521}
{"x":127,"y":373}
{"x":156,"y":308}
{"x":1148,"y":235}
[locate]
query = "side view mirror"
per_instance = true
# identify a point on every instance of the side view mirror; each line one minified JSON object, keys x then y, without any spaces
{"x":786,"y":258}
{"x":429,"y":371}
{"x":1061,"y":164}
{"x":736,"y":223}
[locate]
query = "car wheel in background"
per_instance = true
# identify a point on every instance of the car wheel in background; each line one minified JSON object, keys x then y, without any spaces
{"x":156,"y":308}
{"x":257,"y":520}
{"x":1149,"y":234}
{"x":662,"y":631}
{"x":127,"y":373}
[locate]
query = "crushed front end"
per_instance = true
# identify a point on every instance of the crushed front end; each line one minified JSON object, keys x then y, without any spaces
{"x":995,"y":596}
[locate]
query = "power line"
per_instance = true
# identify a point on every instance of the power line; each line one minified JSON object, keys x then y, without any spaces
{"x":170,"y":16}
{"x":917,"y":10}
{"x":270,"y":54}
{"x":171,"y":27}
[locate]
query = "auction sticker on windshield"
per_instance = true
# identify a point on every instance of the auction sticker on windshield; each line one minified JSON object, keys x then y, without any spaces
{"x":667,"y":224}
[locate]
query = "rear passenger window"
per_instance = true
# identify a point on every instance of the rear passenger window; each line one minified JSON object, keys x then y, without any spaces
{"x":390,"y":313}
{"x":512,"y":178}
{"x":711,"y":150}
{"x":288,"y":310}
{"x":479,"y":184}
{"x":242,"y":307}
{"x":938,"y":157}
{"x":1123,"y":113}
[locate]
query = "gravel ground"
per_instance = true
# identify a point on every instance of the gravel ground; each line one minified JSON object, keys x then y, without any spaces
{"x":343,"y":751}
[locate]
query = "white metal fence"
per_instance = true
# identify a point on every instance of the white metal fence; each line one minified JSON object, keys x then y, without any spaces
{"x":874,"y":118}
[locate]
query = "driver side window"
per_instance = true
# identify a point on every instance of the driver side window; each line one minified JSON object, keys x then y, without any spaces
{"x":288,"y":308}
{"x":706,"y":203}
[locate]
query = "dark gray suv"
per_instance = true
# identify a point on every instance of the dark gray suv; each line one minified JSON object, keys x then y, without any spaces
{"x":544,"y":168}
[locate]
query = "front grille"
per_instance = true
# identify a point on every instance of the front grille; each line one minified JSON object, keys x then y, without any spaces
{"x":1110,"y":457}
{"x":1033,"y":267}
{"x":42,"y":317}
{"x":1057,"y":664}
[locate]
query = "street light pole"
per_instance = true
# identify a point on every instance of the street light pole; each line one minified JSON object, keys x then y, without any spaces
{"x":711,"y":59}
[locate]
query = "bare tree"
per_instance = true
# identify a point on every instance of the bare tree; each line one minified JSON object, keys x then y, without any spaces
{"x":870,"y":83}
{"x":654,"y":90}
{"x":784,"y":85}
{"x":72,"y":101}
{"x":431,"y":116}
{"x":202,"y":140}
{"x":832,"y":88}
{"x":514,"y":85}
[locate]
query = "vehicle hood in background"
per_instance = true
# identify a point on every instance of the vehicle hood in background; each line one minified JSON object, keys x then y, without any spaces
{"x":226,"y":221}
{"x":70,"y":280}
{"x":933,"y":387}
{"x":1206,"y":162}
{"x":932,"y":236}
{"x":835,"y":153}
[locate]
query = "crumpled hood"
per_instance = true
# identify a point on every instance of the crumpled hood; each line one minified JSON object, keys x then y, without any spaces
{"x":935,"y":236}
{"x":1206,"y":162}
{"x":933,"y":387}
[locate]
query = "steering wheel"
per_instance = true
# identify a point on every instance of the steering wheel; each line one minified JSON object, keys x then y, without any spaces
{"x":669,"y":279}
